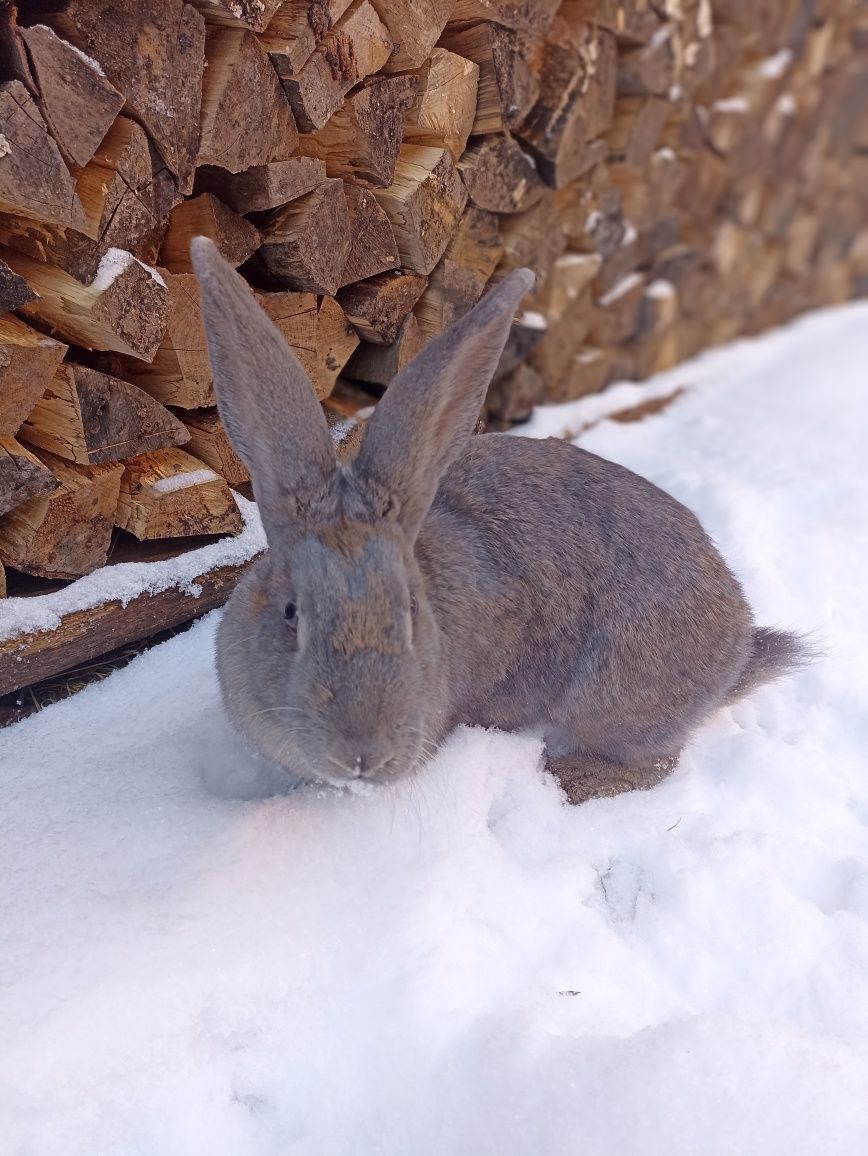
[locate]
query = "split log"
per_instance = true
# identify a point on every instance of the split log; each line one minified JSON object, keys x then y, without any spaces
{"x":14,"y":290}
{"x":452,"y":291}
{"x":444,"y":108}
{"x":305,"y":245}
{"x":509,"y":65}
{"x":28,"y":361}
{"x":126,"y":193}
{"x":476,"y":244}
{"x":153,"y":52}
{"x":591,"y":369}
{"x":617,"y":315}
{"x":336,"y":341}
{"x":576,"y":99}
{"x":500,"y":176}
{"x":533,"y":17}
{"x":179,"y":372}
{"x":652,"y":69}
{"x":373,"y":248}
{"x":253,"y":14}
{"x":424,"y":205}
{"x":67,"y":532}
{"x":210,"y":443}
{"x":378,"y":307}
{"x":361,"y":140}
{"x":295,"y":31}
{"x":91,"y":417}
{"x":23,"y":477}
{"x":636,"y":128}
{"x":534,"y":238}
{"x":205,"y":216}
{"x":357,"y":46}
{"x":513,"y":397}
{"x":552,"y":356}
{"x":415,"y":26}
{"x":171,"y":494}
{"x":34,"y":181}
{"x":75,"y":98}
{"x":125,"y":307}
{"x":246,"y":118}
{"x":295,"y":315}
{"x":378,"y":364}
{"x":263,"y":186}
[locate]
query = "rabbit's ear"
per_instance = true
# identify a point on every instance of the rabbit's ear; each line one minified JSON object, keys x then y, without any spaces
{"x":431,"y":407}
{"x":265,"y":398}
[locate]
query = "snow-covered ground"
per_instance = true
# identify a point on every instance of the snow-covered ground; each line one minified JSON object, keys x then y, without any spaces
{"x":192,"y":964}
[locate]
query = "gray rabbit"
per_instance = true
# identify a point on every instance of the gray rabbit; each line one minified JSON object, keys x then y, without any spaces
{"x":440,"y":579}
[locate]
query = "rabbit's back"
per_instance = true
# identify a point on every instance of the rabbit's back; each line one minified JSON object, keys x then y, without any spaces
{"x":568,"y":588}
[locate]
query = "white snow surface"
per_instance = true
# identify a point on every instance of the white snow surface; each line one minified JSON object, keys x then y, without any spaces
{"x":193,"y":962}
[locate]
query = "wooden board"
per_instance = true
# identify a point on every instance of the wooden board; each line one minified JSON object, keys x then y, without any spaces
{"x":86,"y":634}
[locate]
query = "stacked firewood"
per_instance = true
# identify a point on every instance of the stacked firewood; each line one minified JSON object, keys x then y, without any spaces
{"x":677,"y":172}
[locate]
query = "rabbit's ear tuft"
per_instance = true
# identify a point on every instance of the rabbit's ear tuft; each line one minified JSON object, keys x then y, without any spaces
{"x":431,"y":408}
{"x":265,"y":398}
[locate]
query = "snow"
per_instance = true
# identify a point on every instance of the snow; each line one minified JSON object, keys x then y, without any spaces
{"x":192,"y":961}
{"x":731,"y":104}
{"x":625,"y":285}
{"x":774,"y":67}
{"x":183,"y":480}
{"x":660,"y":289}
{"x":128,"y":580}
{"x":112,"y":263}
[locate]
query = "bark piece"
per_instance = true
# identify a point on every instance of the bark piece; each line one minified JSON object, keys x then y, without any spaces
{"x":263,"y":186}
{"x":378,"y":307}
{"x":205,"y":216}
{"x":67,"y":532}
{"x":576,"y":99}
{"x":378,"y":364}
{"x":424,"y":204}
{"x":210,"y":443}
{"x":14,"y":290}
{"x":444,"y":108}
{"x":28,"y":361}
{"x":636,"y":129}
{"x":152,"y":52}
{"x":246,"y":118}
{"x":373,"y":248}
{"x":509,"y":64}
{"x":415,"y":26}
{"x":500,"y":176}
{"x":76,"y":100}
{"x":357,"y":46}
{"x":361,"y":140}
{"x":125,"y":307}
{"x":171,"y":494}
{"x":90,"y":417}
{"x":305,"y":245}
{"x":22,"y":475}
{"x":34,"y":181}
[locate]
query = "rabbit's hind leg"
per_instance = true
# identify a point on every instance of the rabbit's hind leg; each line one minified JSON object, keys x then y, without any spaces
{"x":586,"y":776}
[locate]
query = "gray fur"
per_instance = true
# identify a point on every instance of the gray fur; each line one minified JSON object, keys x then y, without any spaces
{"x":444,"y":579}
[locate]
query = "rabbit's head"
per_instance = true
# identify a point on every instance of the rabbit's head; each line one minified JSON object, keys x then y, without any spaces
{"x":329,"y":649}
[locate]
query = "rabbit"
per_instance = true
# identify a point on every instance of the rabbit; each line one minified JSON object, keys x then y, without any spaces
{"x":440,"y":579}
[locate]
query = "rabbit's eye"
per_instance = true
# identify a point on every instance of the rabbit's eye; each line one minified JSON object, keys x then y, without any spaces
{"x":414,"y":605}
{"x":290,"y":613}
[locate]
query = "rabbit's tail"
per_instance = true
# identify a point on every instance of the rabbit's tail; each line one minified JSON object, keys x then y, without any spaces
{"x":774,"y":653}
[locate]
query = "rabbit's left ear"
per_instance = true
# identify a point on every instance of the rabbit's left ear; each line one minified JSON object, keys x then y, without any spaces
{"x":430,"y":409}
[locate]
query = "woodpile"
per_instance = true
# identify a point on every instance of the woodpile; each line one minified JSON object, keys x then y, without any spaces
{"x":677,"y":172}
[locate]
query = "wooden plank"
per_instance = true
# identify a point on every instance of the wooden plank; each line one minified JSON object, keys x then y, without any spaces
{"x":86,"y":634}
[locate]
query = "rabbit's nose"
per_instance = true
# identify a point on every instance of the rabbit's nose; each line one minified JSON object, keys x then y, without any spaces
{"x":369,"y":762}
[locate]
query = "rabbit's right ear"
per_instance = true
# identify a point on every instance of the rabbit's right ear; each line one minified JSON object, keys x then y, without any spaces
{"x":265,"y":398}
